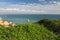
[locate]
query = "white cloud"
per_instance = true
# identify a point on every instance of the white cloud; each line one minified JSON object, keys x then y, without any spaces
{"x":16,"y":10}
{"x":30,"y":8}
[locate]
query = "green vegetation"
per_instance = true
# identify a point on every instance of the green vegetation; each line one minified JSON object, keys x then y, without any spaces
{"x":42,"y":30}
{"x":52,"y":25}
{"x":26,"y":32}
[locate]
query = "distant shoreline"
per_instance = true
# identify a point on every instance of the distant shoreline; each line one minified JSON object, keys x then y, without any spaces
{"x":29,"y":14}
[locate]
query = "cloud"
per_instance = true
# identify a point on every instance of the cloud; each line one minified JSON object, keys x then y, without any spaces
{"x":16,"y":10}
{"x":7,"y":8}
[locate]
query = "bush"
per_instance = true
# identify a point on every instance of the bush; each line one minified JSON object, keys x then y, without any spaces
{"x":52,"y":25}
{"x":26,"y":32}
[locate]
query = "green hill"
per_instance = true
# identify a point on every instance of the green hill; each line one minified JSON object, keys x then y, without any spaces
{"x":26,"y":32}
{"x":52,"y":25}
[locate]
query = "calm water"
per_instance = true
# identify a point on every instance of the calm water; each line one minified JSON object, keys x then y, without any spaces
{"x":22,"y":18}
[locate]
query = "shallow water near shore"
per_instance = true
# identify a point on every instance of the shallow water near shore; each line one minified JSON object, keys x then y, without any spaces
{"x":23,"y":18}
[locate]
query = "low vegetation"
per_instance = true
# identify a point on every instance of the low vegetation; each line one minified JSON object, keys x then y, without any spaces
{"x":52,"y":25}
{"x":41,"y":30}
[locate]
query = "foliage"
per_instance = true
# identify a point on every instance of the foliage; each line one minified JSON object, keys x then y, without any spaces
{"x":52,"y":25}
{"x":58,"y":36}
{"x":26,"y":32}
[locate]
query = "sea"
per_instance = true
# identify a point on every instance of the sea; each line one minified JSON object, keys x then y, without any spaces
{"x":23,"y":18}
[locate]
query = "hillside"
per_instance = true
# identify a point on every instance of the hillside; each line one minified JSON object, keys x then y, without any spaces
{"x":52,"y":25}
{"x":26,"y":32}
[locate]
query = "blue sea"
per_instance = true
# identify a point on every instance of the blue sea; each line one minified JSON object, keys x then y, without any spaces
{"x":22,"y":18}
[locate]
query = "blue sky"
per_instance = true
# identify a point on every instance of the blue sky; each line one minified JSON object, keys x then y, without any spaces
{"x":28,"y":1}
{"x":30,"y":6}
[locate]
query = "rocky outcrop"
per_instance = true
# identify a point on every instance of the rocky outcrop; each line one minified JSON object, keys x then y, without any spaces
{"x":5,"y":23}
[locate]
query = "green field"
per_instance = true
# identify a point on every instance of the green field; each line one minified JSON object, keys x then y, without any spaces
{"x":33,"y":31}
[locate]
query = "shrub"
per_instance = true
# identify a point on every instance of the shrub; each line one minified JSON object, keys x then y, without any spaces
{"x":26,"y":32}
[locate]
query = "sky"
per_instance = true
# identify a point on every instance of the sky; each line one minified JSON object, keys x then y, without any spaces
{"x":29,"y":6}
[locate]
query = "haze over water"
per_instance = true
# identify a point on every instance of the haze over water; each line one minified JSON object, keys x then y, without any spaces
{"x":23,"y":18}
